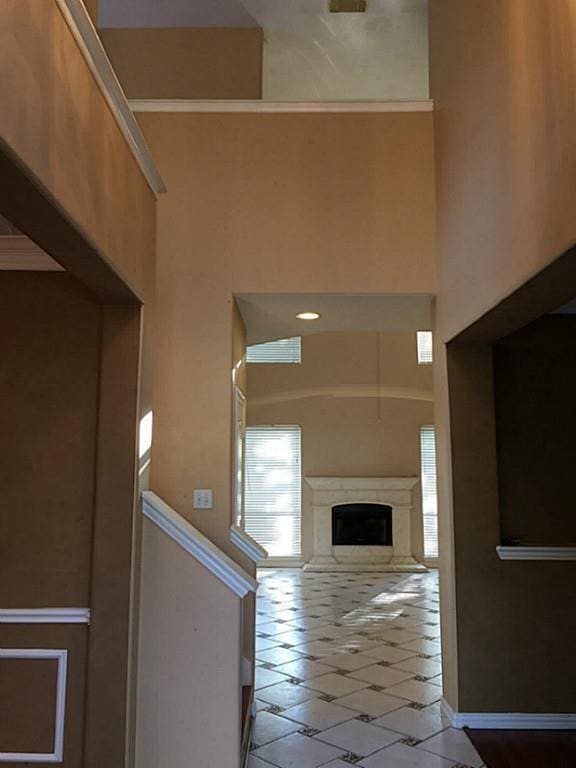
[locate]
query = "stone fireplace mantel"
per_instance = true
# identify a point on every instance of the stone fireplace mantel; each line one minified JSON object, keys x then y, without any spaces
{"x":330,"y":491}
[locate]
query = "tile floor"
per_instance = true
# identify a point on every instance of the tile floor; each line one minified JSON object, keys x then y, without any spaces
{"x":348,"y":672}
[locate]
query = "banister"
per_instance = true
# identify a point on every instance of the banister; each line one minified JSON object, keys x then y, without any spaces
{"x":247,"y":544}
{"x":197,"y":545}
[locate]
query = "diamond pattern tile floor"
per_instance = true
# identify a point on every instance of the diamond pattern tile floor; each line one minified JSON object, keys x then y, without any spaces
{"x":351,"y":673}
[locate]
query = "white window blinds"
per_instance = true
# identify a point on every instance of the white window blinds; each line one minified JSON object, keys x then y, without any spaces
{"x":272,"y":500}
{"x":281,"y":351}
{"x":429,"y":493}
{"x":424,"y":346}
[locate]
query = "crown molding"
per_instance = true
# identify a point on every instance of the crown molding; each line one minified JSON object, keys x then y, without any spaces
{"x":90,"y":45}
{"x":197,"y":545}
{"x":277,"y":107}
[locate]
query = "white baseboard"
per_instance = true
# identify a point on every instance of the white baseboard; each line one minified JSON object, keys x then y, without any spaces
{"x":531,"y":721}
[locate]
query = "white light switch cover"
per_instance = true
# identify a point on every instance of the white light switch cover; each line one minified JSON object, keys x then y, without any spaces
{"x":202,"y":498}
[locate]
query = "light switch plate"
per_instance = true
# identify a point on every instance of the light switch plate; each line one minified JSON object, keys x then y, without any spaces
{"x":202,"y":498}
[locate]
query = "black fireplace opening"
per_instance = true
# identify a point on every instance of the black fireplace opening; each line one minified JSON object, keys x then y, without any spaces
{"x":362,"y":525}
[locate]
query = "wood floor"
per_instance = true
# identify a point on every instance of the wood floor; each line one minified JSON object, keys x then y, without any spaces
{"x":526,"y":749}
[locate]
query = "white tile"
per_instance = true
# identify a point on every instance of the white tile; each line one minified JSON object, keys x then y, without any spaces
{"x":335,"y":685}
{"x":369,"y":702}
{"x":348,"y":661}
{"x":399,"y":636}
{"x":429,"y":647}
{"x":266,"y":677}
{"x":453,"y":744}
{"x":278,"y":656}
{"x":384,"y":676}
{"x":414,"y":690}
{"x":403,"y":756}
{"x":255,"y":762}
{"x":424,"y":667}
{"x":269,"y":727}
{"x":358,"y":737}
{"x":264,"y":643}
{"x":387,"y":653}
{"x":297,"y":751}
{"x":418,"y":723}
{"x":286,"y":695}
{"x":273,"y":628}
{"x":304,"y":669}
{"x":319,"y":714}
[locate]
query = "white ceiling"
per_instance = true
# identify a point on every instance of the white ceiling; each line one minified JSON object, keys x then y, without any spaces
{"x":273,"y":316}
{"x":309,"y":53}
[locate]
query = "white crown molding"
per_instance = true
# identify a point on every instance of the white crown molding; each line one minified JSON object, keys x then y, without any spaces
{"x":44,"y":615}
{"x":338,"y":391}
{"x":197,"y":545}
{"x":536,"y":553}
{"x":509,"y":720}
{"x":277,"y":107}
{"x":19,"y":253}
{"x":62,"y":657}
{"x":90,"y":45}
{"x":247,"y":544}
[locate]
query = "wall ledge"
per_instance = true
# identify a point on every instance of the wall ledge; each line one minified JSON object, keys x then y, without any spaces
{"x":90,"y":45}
{"x":266,"y":107}
{"x":536,"y":553}
{"x":44,"y":615}
{"x":247,"y":544}
{"x":197,"y":545}
{"x":510,"y":720}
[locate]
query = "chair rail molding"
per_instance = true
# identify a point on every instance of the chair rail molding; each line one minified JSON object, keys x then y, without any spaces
{"x":61,"y":656}
{"x":536,"y":553}
{"x":509,"y":720}
{"x":247,"y":544}
{"x":264,"y":107}
{"x":90,"y":45}
{"x":197,"y":545}
{"x":44,"y":615}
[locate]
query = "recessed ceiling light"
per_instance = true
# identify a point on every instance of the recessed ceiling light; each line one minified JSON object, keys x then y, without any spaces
{"x":308,"y":315}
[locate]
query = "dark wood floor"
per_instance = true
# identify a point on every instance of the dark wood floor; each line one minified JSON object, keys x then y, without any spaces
{"x":526,"y":749}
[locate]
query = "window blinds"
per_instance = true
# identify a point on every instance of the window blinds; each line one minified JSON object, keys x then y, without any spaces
{"x":429,"y":493}
{"x":424,"y":346}
{"x":281,"y":351}
{"x":272,"y":500}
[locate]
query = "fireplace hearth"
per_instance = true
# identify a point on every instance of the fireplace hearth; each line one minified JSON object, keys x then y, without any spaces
{"x":362,"y":525}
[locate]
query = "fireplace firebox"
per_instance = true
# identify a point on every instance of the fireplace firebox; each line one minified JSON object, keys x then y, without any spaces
{"x":362,"y":525}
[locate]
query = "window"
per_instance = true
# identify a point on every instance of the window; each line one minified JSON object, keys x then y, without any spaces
{"x":429,"y":493}
{"x":424,"y":346}
{"x":281,"y":351}
{"x":272,"y":490}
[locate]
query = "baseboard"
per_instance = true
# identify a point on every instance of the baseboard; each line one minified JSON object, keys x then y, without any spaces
{"x":531,"y":721}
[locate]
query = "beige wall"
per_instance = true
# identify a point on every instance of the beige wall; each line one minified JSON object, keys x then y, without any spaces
{"x":189,"y":666}
{"x":275,"y":203}
{"x":502,"y":79}
{"x":187,"y":62}
{"x":502,"y":75}
{"x":56,"y":122}
{"x":352,"y":434}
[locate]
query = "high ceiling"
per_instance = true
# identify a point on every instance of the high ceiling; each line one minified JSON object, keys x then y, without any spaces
{"x":273,"y":316}
{"x":309,"y":53}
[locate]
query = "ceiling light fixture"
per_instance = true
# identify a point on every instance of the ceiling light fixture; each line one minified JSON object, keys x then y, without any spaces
{"x":308,"y":315}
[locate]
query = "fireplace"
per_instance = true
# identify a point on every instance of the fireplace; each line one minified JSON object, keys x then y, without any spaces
{"x":362,"y":525}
